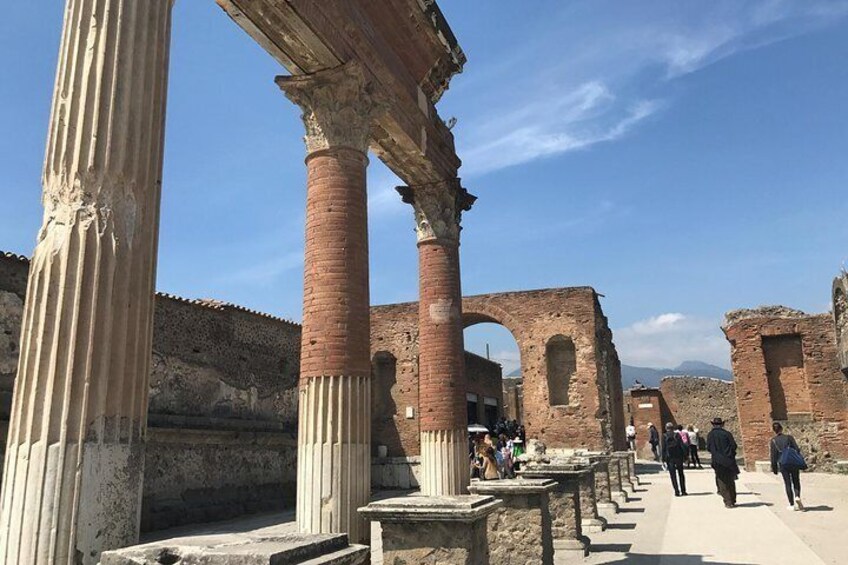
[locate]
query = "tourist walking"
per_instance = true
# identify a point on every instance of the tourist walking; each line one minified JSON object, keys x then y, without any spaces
{"x":654,"y":440}
{"x":489,"y":466}
{"x":673,"y":455}
{"x":787,"y":458}
{"x":694,"y":458}
{"x":722,"y":448}
{"x":630,"y":432}
{"x":684,"y":440}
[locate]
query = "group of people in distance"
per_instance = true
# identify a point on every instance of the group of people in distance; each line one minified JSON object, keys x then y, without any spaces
{"x":495,"y":457}
{"x":677,"y":446}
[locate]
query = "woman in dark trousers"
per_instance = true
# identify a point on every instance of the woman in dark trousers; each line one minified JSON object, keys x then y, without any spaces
{"x":791,"y":477}
{"x":673,"y":455}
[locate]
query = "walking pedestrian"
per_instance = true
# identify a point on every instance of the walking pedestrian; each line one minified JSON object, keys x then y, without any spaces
{"x":694,"y":440}
{"x":673,"y":454}
{"x":787,"y":458}
{"x":654,"y":440}
{"x":489,"y":467}
{"x":630,"y":432}
{"x":684,"y":440}
{"x":722,"y":448}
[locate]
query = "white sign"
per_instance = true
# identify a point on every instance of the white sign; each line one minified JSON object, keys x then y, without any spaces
{"x":649,"y":405}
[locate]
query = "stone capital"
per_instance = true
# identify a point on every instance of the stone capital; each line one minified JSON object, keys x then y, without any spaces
{"x":438,"y":208}
{"x":338,"y":106}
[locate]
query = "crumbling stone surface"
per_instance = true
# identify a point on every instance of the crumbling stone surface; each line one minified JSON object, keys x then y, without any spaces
{"x":840,"y":319}
{"x":786,"y":369}
{"x":446,"y":543}
{"x":777,"y":311}
{"x":697,"y":400}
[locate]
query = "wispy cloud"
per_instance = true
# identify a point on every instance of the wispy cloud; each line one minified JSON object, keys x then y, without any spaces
{"x":668,"y":339}
{"x":265,"y":272}
{"x":597,"y":87}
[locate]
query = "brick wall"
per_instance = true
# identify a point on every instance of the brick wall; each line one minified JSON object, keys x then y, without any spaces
{"x":646,"y":407}
{"x":786,"y":368}
{"x":533,"y":318}
{"x":484,"y":379}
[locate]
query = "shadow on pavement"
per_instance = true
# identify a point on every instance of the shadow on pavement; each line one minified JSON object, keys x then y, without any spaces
{"x":680,"y":559}
{"x":630,"y":510}
{"x":821,"y":508}
{"x":753,"y":504}
{"x":631,"y":526}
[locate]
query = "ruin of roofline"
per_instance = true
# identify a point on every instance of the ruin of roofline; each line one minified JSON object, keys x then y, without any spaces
{"x":506,"y":293}
{"x":694,"y":377}
{"x":220,"y":305}
{"x":15,"y":256}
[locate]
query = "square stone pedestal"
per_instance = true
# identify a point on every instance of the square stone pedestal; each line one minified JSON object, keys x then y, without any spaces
{"x":434,"y":530}
{"x":617,"y":480}
{"x":520,"y":530}
{"x":628,"y":469}
{"x":603,"y":494}
{"x":566,"y":519}
{"x":591,"y":521}
{"x":246,"y":548}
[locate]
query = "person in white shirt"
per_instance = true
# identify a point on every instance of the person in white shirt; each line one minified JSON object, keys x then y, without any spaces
{"x":631,"y":436}
{"x":694,"y":459}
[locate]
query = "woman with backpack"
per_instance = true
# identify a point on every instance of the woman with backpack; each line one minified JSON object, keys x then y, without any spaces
{"x":787,"y":458}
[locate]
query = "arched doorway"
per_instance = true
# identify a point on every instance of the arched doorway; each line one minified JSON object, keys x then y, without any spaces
{"x":493,"y":372}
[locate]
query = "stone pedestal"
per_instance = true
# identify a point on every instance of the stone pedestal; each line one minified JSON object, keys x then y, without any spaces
{"x":441,"y":354}
{"x":617,"y":492}
{"x":334,"y":434}
{"x":251,"y":548}
{"x":603,"y":494}
{"x":627,"y":470}
{"x":434,"y":530}
{"x":591,"y":520}
{"x":74,"y":464}
{"x":520,"y":531}
{"x":630,"y":459}
{"x":566,"y":518}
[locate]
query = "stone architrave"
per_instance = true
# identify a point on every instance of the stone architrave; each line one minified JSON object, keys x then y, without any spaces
{"x":520,"y":530}
{"x":434,"y":530}
{"x":441,"y":357}
{"x":72,"y":481}
{"x":334,"y":451}
{"x":566,"y":525}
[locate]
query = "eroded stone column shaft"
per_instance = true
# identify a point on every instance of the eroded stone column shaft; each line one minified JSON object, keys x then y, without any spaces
{"x":75,"y":455}
{"x":334,"y":439}
{"x":441,"y":355}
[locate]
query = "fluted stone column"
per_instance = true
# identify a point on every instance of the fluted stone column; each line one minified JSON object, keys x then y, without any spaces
{"x":334,"y":436}
{"x":441,"y":355}
{"x":75,"y":455}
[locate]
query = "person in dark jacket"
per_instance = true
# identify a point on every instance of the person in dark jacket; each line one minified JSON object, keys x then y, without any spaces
{"x":722,"y":448}
{"x":654,"y":440}
{"x":791,"y":477}
{"x":673,"y":455}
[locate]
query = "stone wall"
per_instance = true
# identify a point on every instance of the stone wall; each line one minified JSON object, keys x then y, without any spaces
{"x":484,"y":381}
{"x":697,"y":400}
{"x":786,"y":368}
{"x":223,"y":405}
{"x":570,"y":316}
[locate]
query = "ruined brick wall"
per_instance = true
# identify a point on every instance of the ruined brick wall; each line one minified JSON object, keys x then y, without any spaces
{"x":570,"y":318}
{"x":646,"y":407}
{"x":786,"y":369}
{"x":223,"y":405}
{"x":513,"y":395}
{"x":484,"y":379}
{"x":697,"y":400}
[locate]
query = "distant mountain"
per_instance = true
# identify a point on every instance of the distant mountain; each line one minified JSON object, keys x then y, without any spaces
{"x":652,"y":377}
{"x":514,"y":374}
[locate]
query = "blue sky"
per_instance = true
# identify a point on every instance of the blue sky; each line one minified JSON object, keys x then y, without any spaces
{"x":682,"y":158}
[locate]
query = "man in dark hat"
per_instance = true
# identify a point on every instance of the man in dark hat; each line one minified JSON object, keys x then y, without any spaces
{"x":722,"y":447}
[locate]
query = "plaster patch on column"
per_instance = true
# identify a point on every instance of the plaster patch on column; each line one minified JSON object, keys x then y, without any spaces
{"x":443,"y":311}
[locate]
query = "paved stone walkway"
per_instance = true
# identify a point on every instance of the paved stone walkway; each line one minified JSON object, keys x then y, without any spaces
{"x":656,"y":528}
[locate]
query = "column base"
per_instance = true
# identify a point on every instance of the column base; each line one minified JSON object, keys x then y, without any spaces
{"x":434,"y":530}
{"x":444,"y":463}
{"x":569,"y":550}
{"x":593,"y":525}
{"x":620,"y":497}
{"x":607,"y":509}
{"x":250,"y":547}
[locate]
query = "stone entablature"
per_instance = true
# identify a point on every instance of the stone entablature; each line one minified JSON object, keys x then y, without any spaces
{"x":786,"y":369}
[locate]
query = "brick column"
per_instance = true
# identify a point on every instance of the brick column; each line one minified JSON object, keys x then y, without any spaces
{"x":72,"y":480}
{"x":334,"y":436}
{"x":441,"y":360}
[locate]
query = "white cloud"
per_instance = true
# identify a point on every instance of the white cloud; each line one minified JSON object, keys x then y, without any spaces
{"x":265,"y":272}
{"x":597,"y":87}
{"x":666,"y":340}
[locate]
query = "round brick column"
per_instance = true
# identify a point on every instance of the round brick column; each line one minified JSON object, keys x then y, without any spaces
{"x":441,"y":354}
{"x":334,"y":429}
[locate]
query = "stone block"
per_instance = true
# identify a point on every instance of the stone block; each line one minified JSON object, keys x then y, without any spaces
{"x":564,"y":504}
{"x":434,"y":530}
{"x":762,"y":466}
{"x":520,"y":531}
{"x":249,"y":548}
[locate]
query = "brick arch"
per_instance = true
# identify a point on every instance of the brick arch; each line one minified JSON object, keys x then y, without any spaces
{"x":478,"y":312}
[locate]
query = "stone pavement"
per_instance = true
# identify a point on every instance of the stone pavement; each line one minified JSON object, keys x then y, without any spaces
{"x":656,"y":528}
